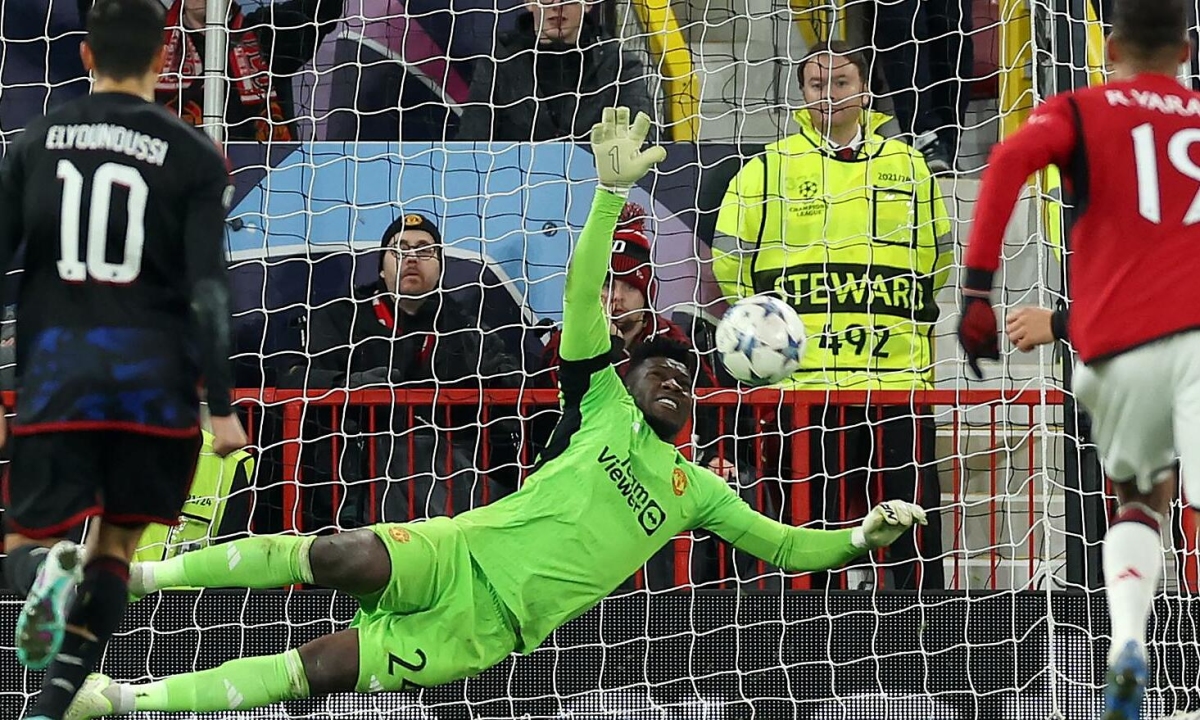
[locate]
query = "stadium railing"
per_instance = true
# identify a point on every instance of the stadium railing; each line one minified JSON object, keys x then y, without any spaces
{"x":1002,"y":427}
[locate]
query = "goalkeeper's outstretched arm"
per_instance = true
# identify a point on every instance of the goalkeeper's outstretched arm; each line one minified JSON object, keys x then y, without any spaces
{"x":585,"y":324}
{"x":620,"y":162}
{"x":802,"y":549}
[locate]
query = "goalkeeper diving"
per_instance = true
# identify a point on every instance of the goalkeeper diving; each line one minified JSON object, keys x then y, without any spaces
{"x":447,"y":598}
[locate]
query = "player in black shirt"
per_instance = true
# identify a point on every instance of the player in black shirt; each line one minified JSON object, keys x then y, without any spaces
{"x":123,"y":308}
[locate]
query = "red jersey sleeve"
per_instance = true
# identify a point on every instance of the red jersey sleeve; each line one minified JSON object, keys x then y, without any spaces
{"x":1047,"y":138}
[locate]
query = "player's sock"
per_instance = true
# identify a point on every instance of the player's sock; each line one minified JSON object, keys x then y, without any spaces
{"x":22,"y":565}
{"x":1132,"y":565}
{"x":237,"y":685}
{"x":269,"y":561}
{"x":99,"y":606}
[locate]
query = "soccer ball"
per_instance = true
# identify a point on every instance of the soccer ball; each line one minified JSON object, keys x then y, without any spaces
{"x":761,"y":340}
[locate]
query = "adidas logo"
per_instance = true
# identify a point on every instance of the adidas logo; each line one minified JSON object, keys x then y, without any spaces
{"x":375,"y":686}
{"x":233,"y":696}
{"x":233,"y":556}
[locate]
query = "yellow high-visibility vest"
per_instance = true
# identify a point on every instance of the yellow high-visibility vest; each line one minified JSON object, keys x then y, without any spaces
{"x":200,"y":519}
{"x":852,"y":245}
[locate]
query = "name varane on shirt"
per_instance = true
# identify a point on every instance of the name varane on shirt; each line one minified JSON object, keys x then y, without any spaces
{"x":1169,"y":104}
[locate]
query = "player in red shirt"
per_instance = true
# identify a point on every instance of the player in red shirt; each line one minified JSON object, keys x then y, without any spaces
{"x":1129,"y":150}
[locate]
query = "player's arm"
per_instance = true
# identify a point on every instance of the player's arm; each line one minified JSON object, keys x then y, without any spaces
{"x":12,"y":198}
{"x":204,"y":247}
{"x":1047,"y":138}
{"x":1058,"y":323}
{"x":799,"y":549}
{"x":620,"y":163}
{"x":1030,"y":327}
{"x":585,"y":324}
{"x":12,"y":201}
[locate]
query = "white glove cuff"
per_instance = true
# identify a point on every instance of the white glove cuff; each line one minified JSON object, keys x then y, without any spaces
{"x":621,"y":192}
{"x":859,"y":539}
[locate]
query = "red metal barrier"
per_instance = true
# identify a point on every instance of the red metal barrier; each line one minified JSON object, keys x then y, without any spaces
{"x":783,"y":456}
{"x":763,"y":408}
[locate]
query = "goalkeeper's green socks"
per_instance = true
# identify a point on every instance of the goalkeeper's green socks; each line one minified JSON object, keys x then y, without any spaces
{"x":269,"y":561}
{"x":237,"y":685}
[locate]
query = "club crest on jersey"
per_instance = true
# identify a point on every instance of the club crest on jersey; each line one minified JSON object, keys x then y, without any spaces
{"x":399,"y":534}
{"x":679,"y":482}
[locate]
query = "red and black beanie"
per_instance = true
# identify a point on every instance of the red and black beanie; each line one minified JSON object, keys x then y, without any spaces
{"x":631,"y":250}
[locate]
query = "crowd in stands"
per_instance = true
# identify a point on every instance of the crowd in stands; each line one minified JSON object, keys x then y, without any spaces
{"x":267,"y":47}
{"x":545,"y":72}
{"x":550,"y":78}
{"x":477,"y":70}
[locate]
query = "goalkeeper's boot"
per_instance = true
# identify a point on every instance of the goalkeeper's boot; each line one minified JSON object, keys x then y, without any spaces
{"x":43,"y":619}
{"x":1127,"y":679}
{"x":100,"y":697}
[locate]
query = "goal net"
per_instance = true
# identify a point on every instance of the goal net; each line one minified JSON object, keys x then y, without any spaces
{"x":372,"y":115}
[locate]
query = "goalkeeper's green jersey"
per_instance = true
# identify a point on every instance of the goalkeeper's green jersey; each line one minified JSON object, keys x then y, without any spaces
{"x":609,"y":493}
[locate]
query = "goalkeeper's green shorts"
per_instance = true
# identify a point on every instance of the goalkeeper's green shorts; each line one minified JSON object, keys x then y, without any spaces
{"x":437,"y":620}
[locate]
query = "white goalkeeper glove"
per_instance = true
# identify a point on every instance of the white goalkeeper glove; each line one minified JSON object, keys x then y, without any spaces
{"x":617,"y":146}
{"x":886,"y":522}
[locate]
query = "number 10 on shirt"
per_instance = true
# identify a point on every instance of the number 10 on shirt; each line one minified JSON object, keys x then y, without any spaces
{"x":72,"y":267}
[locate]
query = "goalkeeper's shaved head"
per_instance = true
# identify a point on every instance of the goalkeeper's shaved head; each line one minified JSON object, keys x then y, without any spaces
{"x":1152,"y":32}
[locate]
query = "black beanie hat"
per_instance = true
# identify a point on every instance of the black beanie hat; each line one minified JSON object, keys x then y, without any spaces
{"x":410,"y":221}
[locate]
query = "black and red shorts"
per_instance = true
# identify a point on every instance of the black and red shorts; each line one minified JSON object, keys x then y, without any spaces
{"x":59,"y":479}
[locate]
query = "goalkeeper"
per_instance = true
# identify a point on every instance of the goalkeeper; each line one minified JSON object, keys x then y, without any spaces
{"x":450,"y":597}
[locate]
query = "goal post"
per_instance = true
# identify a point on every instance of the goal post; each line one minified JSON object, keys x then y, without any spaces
{"x":1075,"y":60}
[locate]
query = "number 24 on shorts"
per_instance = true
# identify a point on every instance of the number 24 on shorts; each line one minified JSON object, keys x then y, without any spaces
{"x":395,"y":660}
{"x":856,"y":339}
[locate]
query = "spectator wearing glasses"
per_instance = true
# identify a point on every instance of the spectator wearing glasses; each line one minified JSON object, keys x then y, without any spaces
{"x":404,"y":331}
{"x":551,"y":78}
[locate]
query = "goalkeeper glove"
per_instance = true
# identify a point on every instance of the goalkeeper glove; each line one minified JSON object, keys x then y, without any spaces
{"x":617,"y":146}
{"x":886,"y":522}
{"x":977,"y":331}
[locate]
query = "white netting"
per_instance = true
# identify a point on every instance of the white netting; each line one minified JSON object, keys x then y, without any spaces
{"x":1003,"y":632}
